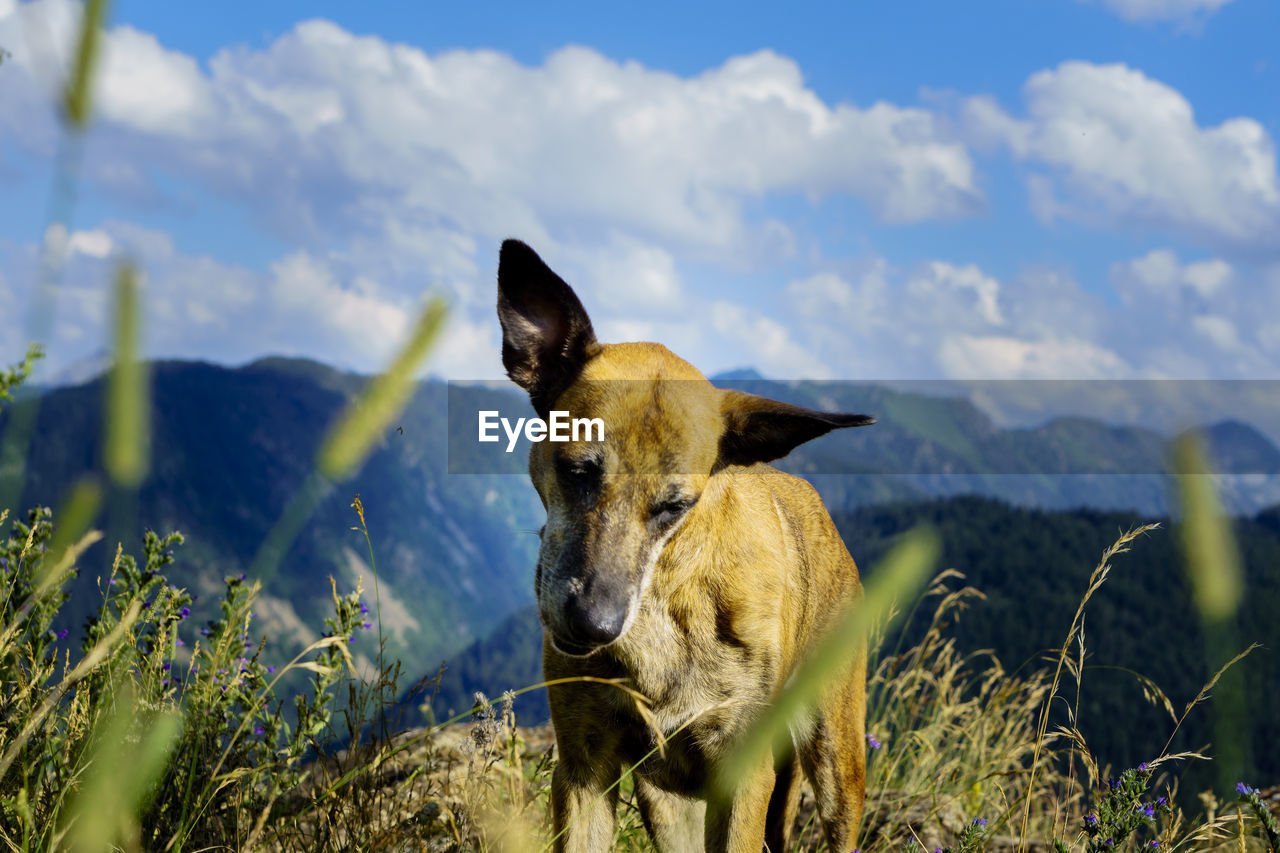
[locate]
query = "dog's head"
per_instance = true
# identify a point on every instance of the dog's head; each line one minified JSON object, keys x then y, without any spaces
{"x":613,"y":503}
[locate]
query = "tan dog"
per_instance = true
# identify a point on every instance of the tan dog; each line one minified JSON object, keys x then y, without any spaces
{"x":673,"y":558}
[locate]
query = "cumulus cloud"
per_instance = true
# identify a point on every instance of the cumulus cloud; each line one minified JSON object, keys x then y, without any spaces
{"x":1164,"y":10}
{"x":319,"y":306}
{"x":1208,"y":316}
{"x":950,"y":290}
{"x":390,"y":173}
{"x":1108,"y":145}
{"x":881,"y":321}
{"x":765,"y":341}
{"x":1202,"y":318}
{"x":1001,"y":357}
{"x":95,"y":243}
{"x":1160,"y":274}
{"x":323,"y":129}
{"x":627,"y":276}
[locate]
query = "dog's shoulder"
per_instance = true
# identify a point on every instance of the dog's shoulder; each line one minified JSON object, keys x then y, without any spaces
{"x":765,"y":481}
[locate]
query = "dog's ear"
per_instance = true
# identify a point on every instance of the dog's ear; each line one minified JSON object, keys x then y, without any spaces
{"x":757,"y":429}
{"x":546,"y":333}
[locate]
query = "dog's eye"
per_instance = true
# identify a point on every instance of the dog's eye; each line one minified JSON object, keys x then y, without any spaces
{"x":670,"y":510}
{"x":580,"y":475}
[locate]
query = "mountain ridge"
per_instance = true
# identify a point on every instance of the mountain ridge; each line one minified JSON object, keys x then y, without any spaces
{"x":455,"y":552}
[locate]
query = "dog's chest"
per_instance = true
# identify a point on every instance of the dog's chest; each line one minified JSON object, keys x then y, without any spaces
{"x":704,"y":690}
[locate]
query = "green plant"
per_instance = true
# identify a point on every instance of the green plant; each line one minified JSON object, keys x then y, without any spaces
{"x":1266,"y":820}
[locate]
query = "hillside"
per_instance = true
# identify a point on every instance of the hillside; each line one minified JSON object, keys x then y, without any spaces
{"x":229,"y":449}
{"x":1033,"y":566}
{"x":455,"y":550}
{"x":939,"y":446}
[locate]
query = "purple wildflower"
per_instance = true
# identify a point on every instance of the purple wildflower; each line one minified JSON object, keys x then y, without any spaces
{"x":1242,"y":788}
{"x":1149,"y":810}
{"x":872,"y":742}
{"x":184,"y":613}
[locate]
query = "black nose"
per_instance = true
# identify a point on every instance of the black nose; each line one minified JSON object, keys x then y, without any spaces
{"x":594,"y":622}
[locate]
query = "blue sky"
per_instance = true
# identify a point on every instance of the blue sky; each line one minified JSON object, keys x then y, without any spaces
{"x":1039,"y":188}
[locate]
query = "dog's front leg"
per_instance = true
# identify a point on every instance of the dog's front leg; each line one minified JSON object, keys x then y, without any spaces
{"x":737,"y":825}
{"x":674,"y":822}
{"x":583,"y":804}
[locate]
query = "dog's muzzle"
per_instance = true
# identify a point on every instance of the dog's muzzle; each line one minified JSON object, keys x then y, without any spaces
{"x":589,"y":619}
{"x":593,"y":622}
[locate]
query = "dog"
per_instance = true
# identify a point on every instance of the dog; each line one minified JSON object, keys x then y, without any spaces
{"x":673,"y":557}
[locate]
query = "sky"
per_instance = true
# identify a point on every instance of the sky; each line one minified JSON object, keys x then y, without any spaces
{"x":1070,"y":189}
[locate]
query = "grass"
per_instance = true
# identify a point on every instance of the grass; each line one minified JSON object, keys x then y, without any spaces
{"x":964,"y":754}
{"x":154,"y":734}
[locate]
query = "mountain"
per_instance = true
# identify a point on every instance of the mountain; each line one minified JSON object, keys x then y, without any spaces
{"x":231,"y":446}
{"x":453,"y":522}
{"x":1033,"y":567}
{"x":741,"y":374}
{"x":931,"y":446}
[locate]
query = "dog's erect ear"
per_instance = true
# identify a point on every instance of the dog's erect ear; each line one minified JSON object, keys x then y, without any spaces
{"x":546,"y":333}
{"x":757,"y":429}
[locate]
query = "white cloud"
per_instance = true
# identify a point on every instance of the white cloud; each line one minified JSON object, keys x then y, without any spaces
{"x":143,"y":86}
{"x":764,"y":341}
{"x":321,"y":307}
{"x":942,"y":285}
{"x":1159,"y":273}
{"x":626,"y":276}
{"x":307,"y":294}
{"x":820,"y":293}
{"x":96,"y":243}
{"x":1122,"y":148}
{"x":943,"y":319}
{"x":391,"y":173}
{"x":1004,"y":357}
{"x":325,"y":132}
{"x":885,"y":322}
{"x":1164,"y":10}
{"x":1219,"y":330}
{"x":1203,"y":319}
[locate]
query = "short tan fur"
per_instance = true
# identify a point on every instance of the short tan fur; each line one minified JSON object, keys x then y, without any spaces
{"x":673,"y":557}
